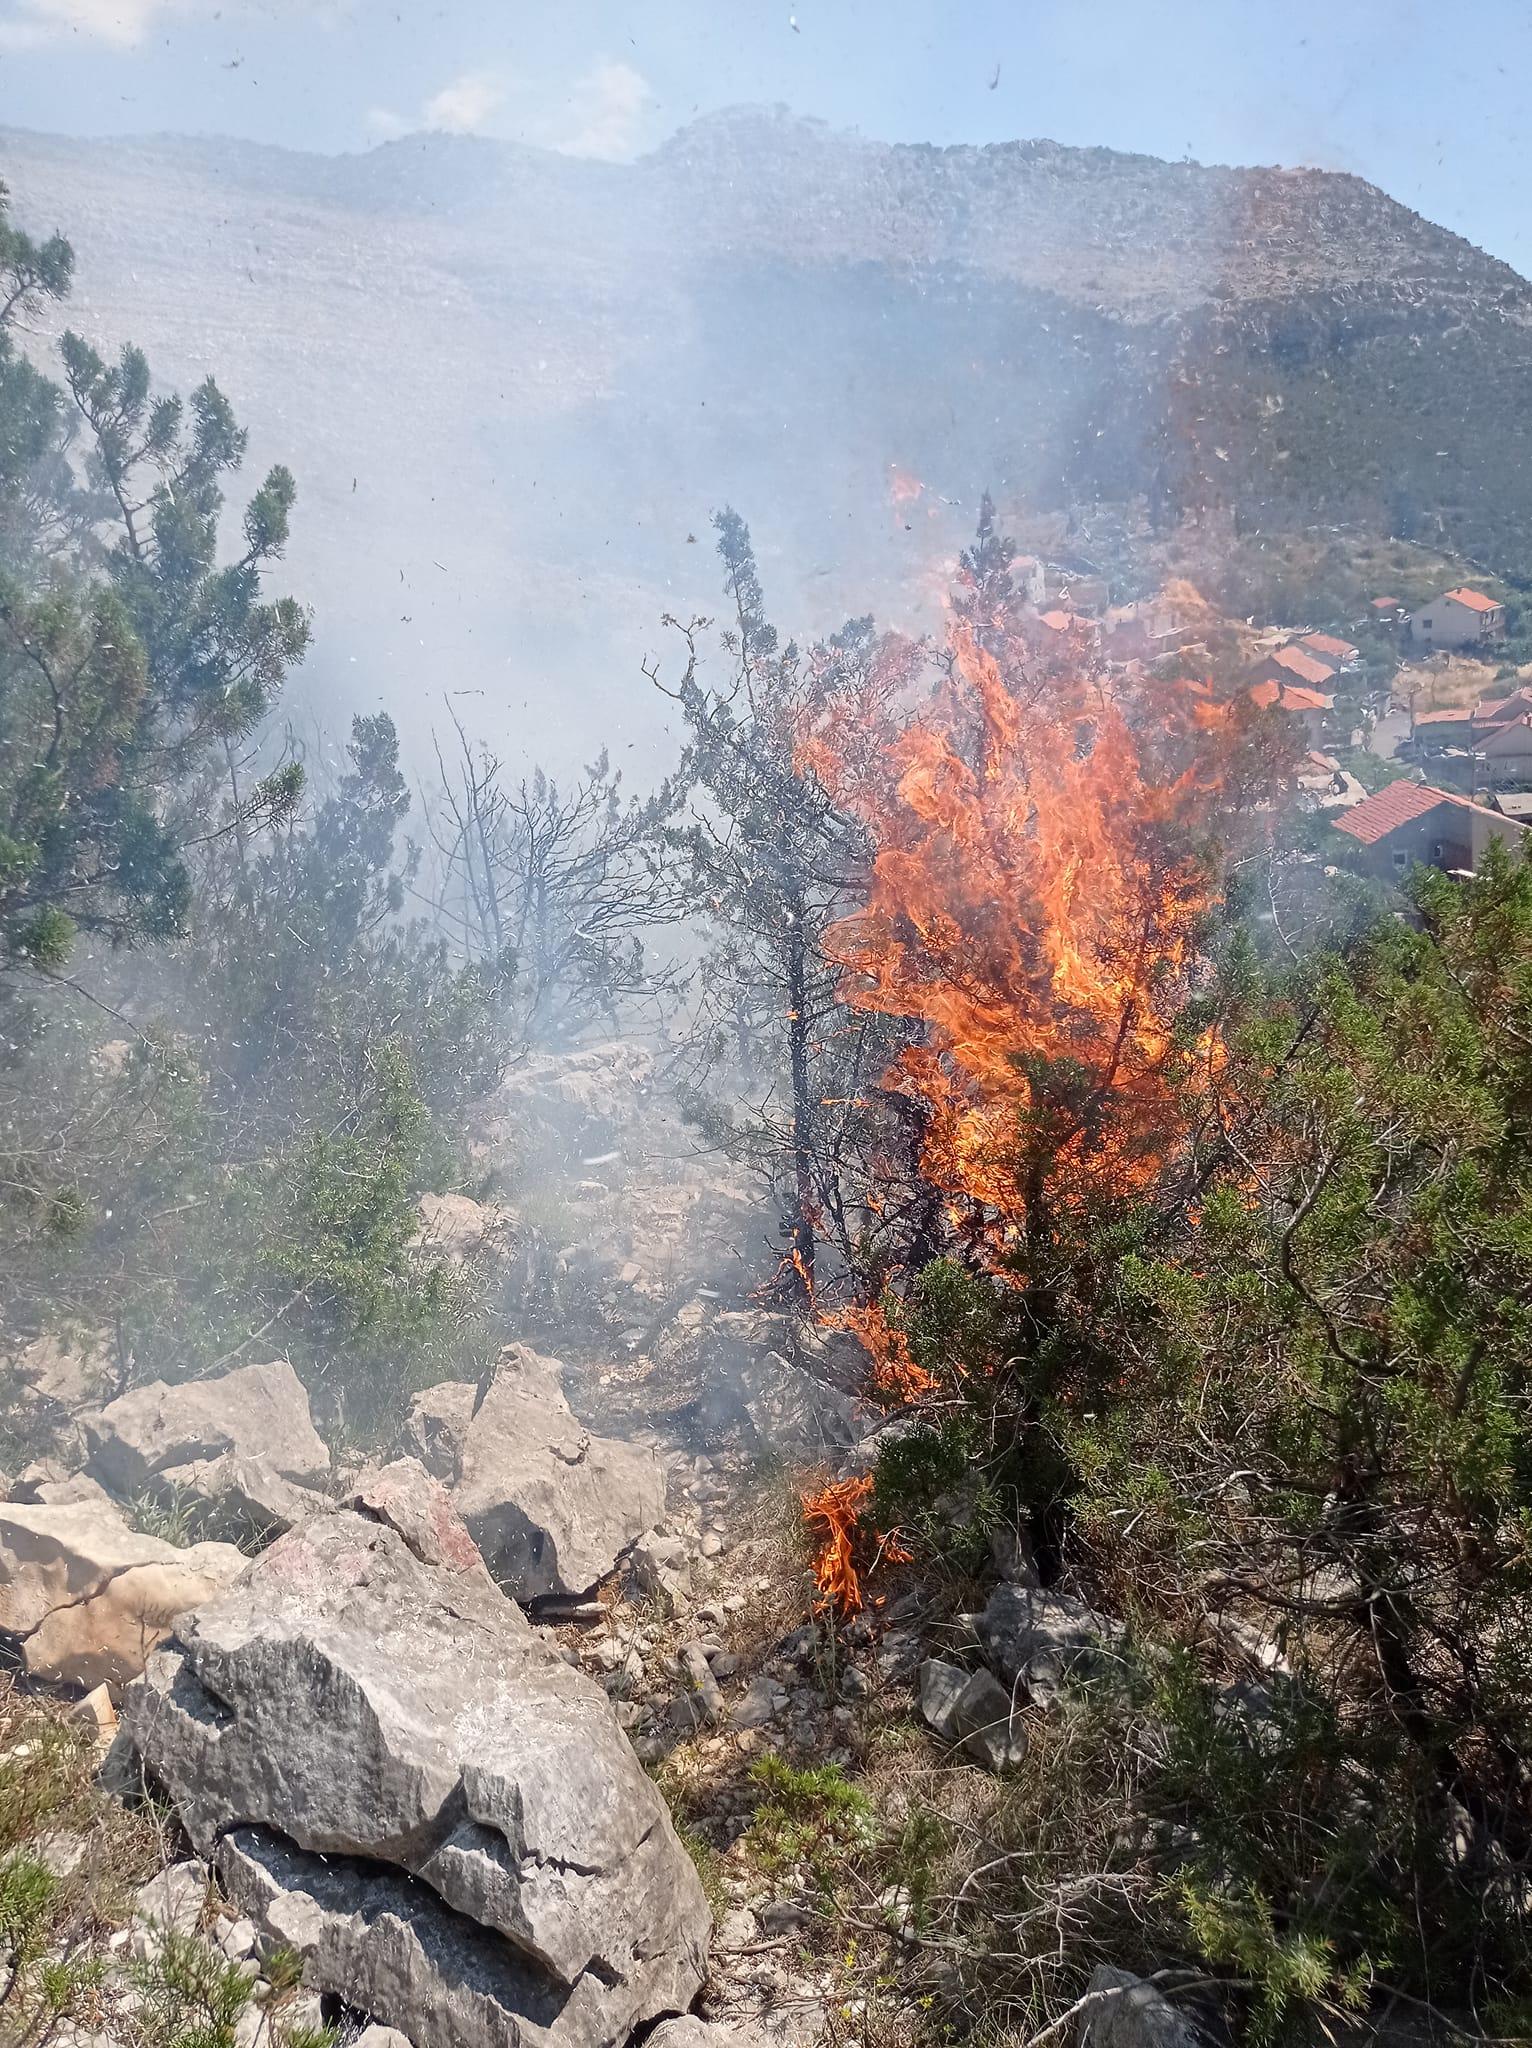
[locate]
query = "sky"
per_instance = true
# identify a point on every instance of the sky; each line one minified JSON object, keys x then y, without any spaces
{"x":1432,"y":106}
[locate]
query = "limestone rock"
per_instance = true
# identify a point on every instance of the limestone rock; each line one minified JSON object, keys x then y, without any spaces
{"x":1135,"y":2015}
{"x":941,"y":1687}
{"x":405,"y":1498}
{"x":971,"y":1708}
{"x":687,"y":2031}
{"x":89,"y":1597}
{"x":437,"y":1428}
{"x":551,"y":1506}
{"x":455,"y":1227}
{"x":425,"y":1799}
{"x":1042,"y":1638}
{"x":162,"y":1439}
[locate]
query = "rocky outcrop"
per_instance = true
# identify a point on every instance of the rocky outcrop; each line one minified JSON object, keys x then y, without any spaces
{"x":1041,"y":1639}
{"x":241,"y":1447}
{"x":394,"y":1772}
{"x":89,"y":1598}
{"x":550,"y":1505}
{"x":405,"y":1498}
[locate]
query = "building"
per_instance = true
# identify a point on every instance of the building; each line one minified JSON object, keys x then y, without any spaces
{"x":1486,"y":747}
{"x":1336,"y":654}
{"x":1311,"y":707}
{"x":1410,"y":824}
{"x":1458,"y":618}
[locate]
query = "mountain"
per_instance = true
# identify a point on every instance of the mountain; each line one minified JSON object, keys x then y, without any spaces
{"x":513,"y":385}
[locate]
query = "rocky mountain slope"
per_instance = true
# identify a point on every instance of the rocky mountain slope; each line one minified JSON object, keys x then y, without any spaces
{"x":514,"y":384}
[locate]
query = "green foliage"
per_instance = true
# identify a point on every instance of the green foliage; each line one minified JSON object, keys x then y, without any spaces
{"x":813,"y":1816}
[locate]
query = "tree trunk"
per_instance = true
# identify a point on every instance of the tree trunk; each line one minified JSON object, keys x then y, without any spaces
{"x":801,"y":1232}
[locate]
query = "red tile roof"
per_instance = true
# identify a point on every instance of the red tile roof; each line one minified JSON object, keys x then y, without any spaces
{"x":1475,"y":600}
{"x":1458,"y":717}
{"x":1385,"y":604}
{"x":1302,"y":665}
{"x":1293,"y":696}
{"x":1376,"y":816}
{"x":1058,"y":622}
{"x":1326,"y":643}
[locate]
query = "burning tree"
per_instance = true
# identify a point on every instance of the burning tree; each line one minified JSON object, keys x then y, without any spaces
{"x":1233,"y":1306}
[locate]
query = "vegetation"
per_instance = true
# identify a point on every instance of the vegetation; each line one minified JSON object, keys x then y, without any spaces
{"x":1180,"y":1195}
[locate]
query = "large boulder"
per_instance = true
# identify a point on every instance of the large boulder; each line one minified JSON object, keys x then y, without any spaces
{"x":551,"y":1506}
{"x":89,"y":1598}
{"x":392,"y":1771}
{"x":241,"y":1447}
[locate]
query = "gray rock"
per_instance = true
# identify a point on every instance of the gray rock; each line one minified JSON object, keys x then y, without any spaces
{"x":1042,"y":1639}
{"x":374,"y":2036}
{"x":767,"y":1406}
{"x":990,"y":1734}
{"x":701,"y":1694}
{"x":1133,"y":2013}
{"x":551,"y":1506}
{"x":404,"y":1497}
{"x":174,"y":1900}
{"x":764,"y":1699}
{"x":971,"y":1708}
{"x":144,"y":1438}
{"x":941,"y":1688}
{"x":688,"y":2031}
{"x":239,"y":1939}
{"x":425,"y":1799}
{"x":437,"y":1428}
{"x":1010,"y":1548}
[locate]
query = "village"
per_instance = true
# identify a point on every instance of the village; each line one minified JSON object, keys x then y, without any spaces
{"x":1414,"y":723}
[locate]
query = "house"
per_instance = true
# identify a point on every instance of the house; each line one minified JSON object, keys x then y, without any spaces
{"x":1458,"y":618}
{"x":1387,"y":604}
{"x":1490,"y":745}
{"x":1337,"y":654}
{"x":1411,"y":824}
{"x":1296,"y":665}
{"x":1312,"y":707}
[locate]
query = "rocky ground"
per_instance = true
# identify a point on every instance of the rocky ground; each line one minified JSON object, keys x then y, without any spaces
{"x":525,"y":1732}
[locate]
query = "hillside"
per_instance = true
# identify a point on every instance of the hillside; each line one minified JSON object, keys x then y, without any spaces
{"x":513,"y":384}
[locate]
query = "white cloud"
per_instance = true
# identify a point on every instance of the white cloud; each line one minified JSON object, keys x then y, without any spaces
{"x":118,"y":24}
{"x":465,"y":105}
{"x":606,"y":112}
{"x":602,"y":113}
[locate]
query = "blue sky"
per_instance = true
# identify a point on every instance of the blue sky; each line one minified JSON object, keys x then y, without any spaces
{"x":1431,"y":104}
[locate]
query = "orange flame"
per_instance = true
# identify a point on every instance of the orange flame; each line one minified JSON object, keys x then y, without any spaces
{"x":834,"y":1519}
{"x":1034,"y":903}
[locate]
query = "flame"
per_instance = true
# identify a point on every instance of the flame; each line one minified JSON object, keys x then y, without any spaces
{"x":903,"y":488}
{"x":895,"y":1372}
{"x":1037,"y":888}
{"x":835,"y":1520}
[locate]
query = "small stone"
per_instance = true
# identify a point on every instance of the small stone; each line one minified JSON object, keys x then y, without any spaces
{"x":238,"y":1939}
{"x":855,"y":1683}
{"x":173,"y":1901}
{"x":702,"y":1697}
{"x":762,"y":1702}
{"x":941,"y":1688}
{"x":782,"y":1916}
{"x":725,"y":1664}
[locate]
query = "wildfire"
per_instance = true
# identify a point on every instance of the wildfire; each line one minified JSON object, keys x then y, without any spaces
{"x":835,"y":1521}
{"x":1034,"y":900}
